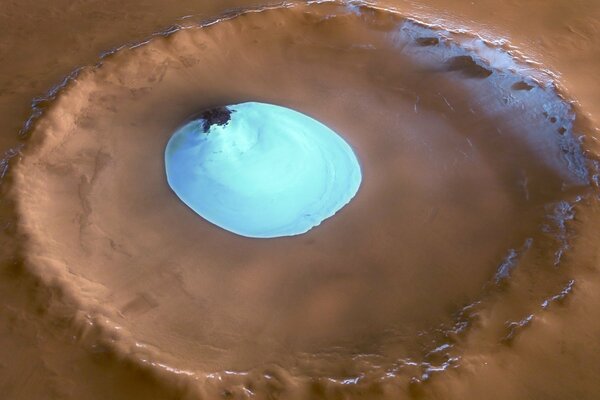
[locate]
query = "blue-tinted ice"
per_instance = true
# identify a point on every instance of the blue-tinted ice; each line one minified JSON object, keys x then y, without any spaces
{"x":264,"y":171}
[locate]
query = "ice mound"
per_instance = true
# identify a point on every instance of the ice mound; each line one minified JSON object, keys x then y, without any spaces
{"x":261,"y":170}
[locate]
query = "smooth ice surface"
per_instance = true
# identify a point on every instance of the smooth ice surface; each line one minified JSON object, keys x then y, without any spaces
{"x":268,"y":172}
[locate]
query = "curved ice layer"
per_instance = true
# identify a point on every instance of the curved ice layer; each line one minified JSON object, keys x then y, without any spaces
{"x":261,"y":170}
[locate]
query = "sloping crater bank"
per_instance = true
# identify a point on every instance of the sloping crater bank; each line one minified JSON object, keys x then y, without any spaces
{"x":471,"y":172}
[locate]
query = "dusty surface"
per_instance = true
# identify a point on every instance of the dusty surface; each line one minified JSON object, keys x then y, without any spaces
{"x":465,"y":268}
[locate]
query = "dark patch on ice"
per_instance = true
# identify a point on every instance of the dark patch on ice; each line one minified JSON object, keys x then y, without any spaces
{"x":427,"y":41}
{"x":468,"y":67}
{"x":521,"y":86}
{"x":215,"y":116}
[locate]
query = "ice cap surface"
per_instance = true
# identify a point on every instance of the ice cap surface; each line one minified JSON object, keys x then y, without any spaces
{"x":263,"y":171}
